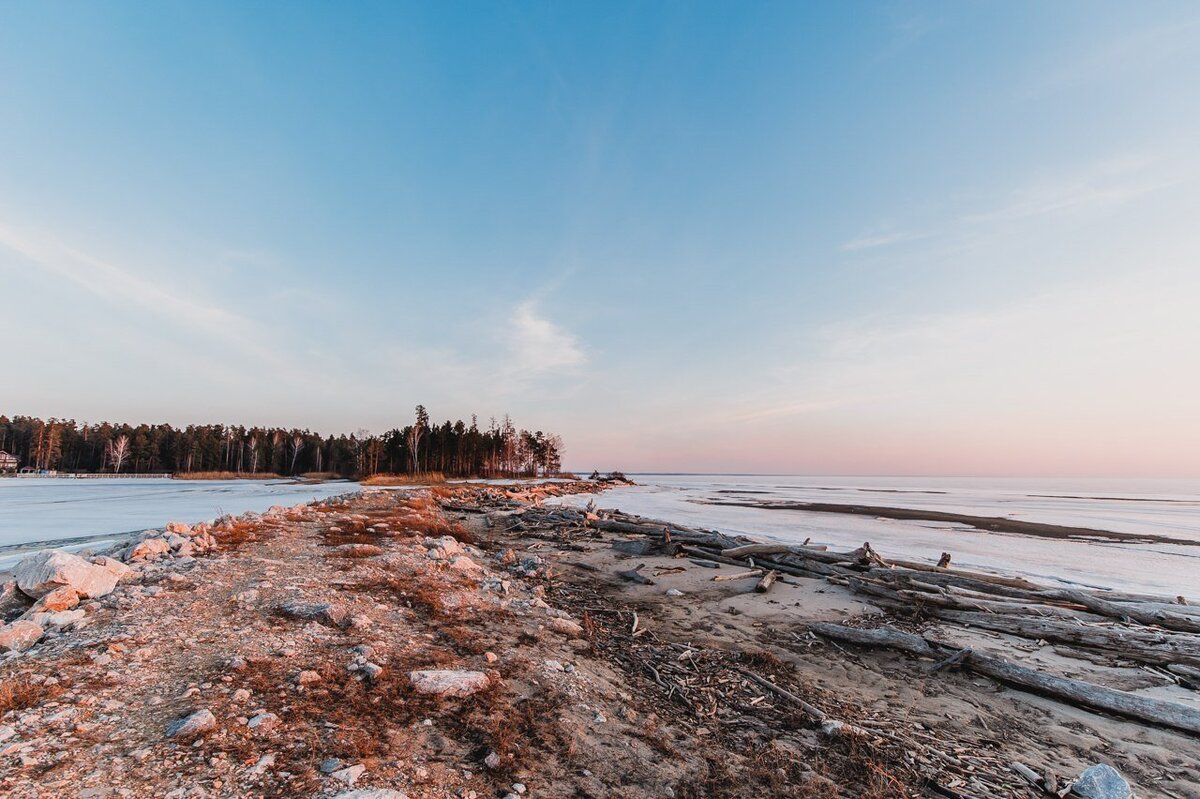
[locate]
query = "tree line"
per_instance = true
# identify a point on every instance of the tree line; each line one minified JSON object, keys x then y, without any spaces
{"x":456,"y":449}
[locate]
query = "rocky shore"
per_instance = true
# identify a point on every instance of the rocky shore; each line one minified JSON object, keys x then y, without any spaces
{"x":471,"y":642}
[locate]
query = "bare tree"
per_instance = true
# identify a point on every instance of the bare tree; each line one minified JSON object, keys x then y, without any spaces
{"x":253,"y":442}
{"x":297,"y":445}
{"x":118,"y":451}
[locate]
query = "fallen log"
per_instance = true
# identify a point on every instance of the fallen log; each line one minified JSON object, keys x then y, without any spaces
{"x":720,"y":578}
{"x":1129,"y":610}
{"x":747,"y":550}
{"x":1142,"y":645}
{"x":1070,"y":691}
{"x":768,"y":580}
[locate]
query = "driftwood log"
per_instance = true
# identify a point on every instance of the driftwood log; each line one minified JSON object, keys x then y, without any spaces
{"x":1075,"y":692}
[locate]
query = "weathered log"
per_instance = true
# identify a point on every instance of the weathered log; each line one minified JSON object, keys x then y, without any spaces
{"x":756,"y":549}
{"x":1075,"y":692}
{"x":1141,"y":645}
{"x":1130,"y":610}
{"x":768,"y":580}
{"x":747,"y":550}
{"x":720,"y":578}
{"x":705,"y":554}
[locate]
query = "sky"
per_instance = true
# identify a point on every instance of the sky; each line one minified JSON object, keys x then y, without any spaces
{"x":952,"y":238}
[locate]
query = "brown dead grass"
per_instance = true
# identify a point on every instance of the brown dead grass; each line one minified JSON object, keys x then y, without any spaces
{"x":21,"y":693}
{"x":226,"y":476}
{"x":369,"y":721}
{"x":424,"y":478}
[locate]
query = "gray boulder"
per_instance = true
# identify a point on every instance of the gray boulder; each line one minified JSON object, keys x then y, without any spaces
{"x":1102,"y":782}
{"x":43,"y":572}
{"x":193,"y":726}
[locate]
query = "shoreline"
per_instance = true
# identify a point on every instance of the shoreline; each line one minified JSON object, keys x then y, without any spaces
{"x":646,"y":645}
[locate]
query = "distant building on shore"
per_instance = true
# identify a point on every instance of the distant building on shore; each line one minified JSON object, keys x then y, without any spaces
{"x":8,"y":463}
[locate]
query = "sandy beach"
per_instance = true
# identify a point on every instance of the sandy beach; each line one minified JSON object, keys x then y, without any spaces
{"x":501,"y":644}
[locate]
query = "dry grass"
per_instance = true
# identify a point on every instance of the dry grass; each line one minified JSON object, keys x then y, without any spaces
{"x":226,"y":476}
{"x":369,"y":721}
{"x":20,"y":693}
{"x":424,"y":478}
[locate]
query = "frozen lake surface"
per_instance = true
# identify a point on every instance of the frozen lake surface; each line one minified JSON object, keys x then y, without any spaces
{"x":35,"y":510}
{"x":1168,"y":508}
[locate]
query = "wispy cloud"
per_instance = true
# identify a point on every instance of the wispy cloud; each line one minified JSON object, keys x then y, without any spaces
{"x":119,"y":286}
{"x":1137,"y":49}
{"x":873,"y":239}
{"x":1095,"y":187}
{"x":539,"y":346}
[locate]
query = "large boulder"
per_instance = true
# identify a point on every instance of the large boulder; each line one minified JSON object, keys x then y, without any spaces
{"x":20,"y":635}
{"x":45,"y":571}
{"x":1102,"y":782}
{"x":448,"y":682}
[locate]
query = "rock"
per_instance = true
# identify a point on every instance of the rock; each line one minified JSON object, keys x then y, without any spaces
{"x":330,"y":765}
{"x":372,"y":670}
{"x":264,"y":763}
{"x":371,"y":793}
{"x":674,"y":592}
{"x":12,"y":599}
{"x":1102,"y":782}
{"x":66,"y":618}
{"x":116,"y":568}
{"x":62,"y":598}
{"x":465,"y":565}
{"x":241,"y":695}
{"x":322,"y":612}
{"x":492,"y":760}
{"x":263,"y":723}
{"x":308,"y":678}
{"x":20,"y":635}
{"x":45,"y":571}
{"x":358,"y":550}
{"x":566,"y":627}
{"x":519,"y":788}
{"x":448,"y":682}
{"x":149,"y":549}
{"x":178,"y":528}
{"x":350,"y":774}
{"x":248,"y":597}
{"x":449,"y":546}
{"x":491,"y":657}
{"x":193,"y":726}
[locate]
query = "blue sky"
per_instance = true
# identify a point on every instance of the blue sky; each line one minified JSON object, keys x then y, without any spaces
{"x":845,"y":237}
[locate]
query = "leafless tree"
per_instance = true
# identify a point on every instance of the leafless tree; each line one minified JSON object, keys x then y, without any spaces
{"x":297,"y":445}
{"x":118,"y":451}
{"x":253,"y":454}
